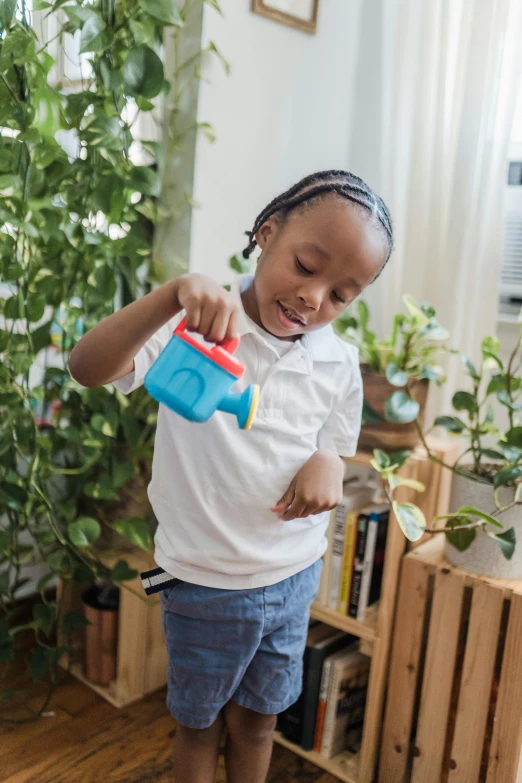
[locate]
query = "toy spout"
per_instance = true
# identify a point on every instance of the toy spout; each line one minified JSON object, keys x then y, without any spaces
{"x":242,"y":405}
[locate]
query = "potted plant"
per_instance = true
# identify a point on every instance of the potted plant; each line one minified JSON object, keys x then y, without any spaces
{"x":482,"y":531}
{"x":396,"y":371}
{"x":75,"y":242}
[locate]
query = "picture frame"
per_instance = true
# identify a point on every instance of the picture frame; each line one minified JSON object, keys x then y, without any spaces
{"x":301,"y":14}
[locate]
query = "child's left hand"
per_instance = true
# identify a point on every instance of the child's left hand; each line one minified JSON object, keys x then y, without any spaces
{"x":316,"y":487}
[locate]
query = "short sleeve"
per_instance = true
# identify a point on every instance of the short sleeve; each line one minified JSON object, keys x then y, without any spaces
{"x":341,"y":431}
{"x":146,"y":357}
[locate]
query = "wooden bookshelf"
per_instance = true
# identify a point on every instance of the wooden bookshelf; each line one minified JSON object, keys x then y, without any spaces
{"x":376,"y":630}
{"x":345,"y":766}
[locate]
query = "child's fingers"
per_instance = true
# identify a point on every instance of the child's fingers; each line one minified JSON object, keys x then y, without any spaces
{"x":221,"y":325}
{"x":193,"y":317}
{"x":295,"y":511}
{"x":208,"y":313}
{"x":286,"y":500}
{"x":233,"y":325}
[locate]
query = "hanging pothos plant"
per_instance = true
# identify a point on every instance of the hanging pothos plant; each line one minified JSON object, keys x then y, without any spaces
{"x":76,"y":233}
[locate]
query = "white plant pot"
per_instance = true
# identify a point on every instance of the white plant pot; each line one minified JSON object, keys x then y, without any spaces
{"x":484,"y":556}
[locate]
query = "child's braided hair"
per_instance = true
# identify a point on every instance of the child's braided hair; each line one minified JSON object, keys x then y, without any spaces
{"x":318,"y":186}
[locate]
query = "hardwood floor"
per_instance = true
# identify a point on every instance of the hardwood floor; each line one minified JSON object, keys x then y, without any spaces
{"x":83,"y":739}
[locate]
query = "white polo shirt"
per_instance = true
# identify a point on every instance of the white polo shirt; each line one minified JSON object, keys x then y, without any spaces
{"x":213,"y":484}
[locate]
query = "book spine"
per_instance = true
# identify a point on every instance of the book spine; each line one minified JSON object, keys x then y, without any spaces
{"x":292,"y":723}
{"x":337,"y":555}
{"x":347,"y":566}
{"x":360,"y":548}
{"x":331,"y":711}
{"x":321,"y":706}
{"x":311,"y":695}
{"x":324,"y":584}
{"x":378,"y":560}
{"x":371,"y":539}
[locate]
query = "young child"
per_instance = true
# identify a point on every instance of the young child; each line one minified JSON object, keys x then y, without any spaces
{"x":242,"y":516}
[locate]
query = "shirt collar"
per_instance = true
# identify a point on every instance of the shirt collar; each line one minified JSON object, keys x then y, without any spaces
{"x":322,"y":344}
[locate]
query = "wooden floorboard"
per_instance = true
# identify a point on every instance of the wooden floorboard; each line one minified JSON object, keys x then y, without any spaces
{"x":84,"y":739}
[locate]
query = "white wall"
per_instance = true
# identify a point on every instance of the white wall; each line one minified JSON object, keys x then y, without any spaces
{"x":284,"y":111}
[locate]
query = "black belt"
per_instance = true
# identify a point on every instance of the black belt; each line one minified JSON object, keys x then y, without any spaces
{"x":156,"y":580}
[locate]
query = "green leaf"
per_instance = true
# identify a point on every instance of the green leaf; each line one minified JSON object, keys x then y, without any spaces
{"x":363,"y":313}
{"x":131,"y":427}
{"x":74,"y":621}
{"x":506,"y":541}
{"x":492,"y":454}
{"x":400,"y":408}
{"x":471,"y":367}
{"x":94,"y":36}
{"x":464,"y":401}
{"x":78,"y":15}
{"x":13,"y":495}
{"x":164,"y":10}
{"x":7,"y":9}
{"x":382,"y":459}
{"x":213,"y":48}
{"x":214,"y":4}
{"x":58,"y":561}
{"x":35,"y":307}
{"x":145,"y":180}
{"x":84,"y":531}
{"x":104,"y":132}
{"x":369,"y":415}
{"x":122,"y":573}
{"x":44,"y":616}
{"x":396,"y":376}
{"x":490,"y":347}
{"x":399,"y":457}
{"x":450,"y":423}
{"x":143,"y":72}
{"x":504,"y":398}
{"x":102,"y":489}
{"x":474,"y":512}
{"x":434,"y":331}
{"x":397,"y":481}
{"x":41,"y":661}
{"x":514,"y":437}
{"x":507,"y":475}
{"x":411,"y":520}
{"x":107,"y":425}
{"x":122,"y":472}
{"x":136,"y":530}
{"x":460,"y":539}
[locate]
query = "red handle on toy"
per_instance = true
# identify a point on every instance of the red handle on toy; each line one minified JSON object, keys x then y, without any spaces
{"x":229,"y":345}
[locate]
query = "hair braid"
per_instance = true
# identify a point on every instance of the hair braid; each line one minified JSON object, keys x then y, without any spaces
{"x":318,"y":186}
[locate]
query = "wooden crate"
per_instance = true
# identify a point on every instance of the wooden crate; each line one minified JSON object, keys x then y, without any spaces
{"x":142,"y":653}
{"x":454,"y":700}
{"x":376,"y":630}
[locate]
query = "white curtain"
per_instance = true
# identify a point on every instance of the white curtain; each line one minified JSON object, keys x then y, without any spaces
{"x":449,"y":76}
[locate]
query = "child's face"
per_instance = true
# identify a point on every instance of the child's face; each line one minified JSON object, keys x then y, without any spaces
{"x":312,"y":266}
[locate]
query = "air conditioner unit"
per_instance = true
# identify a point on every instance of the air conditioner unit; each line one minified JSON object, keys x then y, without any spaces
{"x":511,"y":276}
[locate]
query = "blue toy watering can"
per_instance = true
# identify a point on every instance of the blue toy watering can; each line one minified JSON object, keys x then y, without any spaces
{"x":195,"y":381}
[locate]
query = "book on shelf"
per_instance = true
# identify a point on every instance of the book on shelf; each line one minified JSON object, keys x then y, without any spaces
{"x":297,"y":723}
{"x":290,"y":722}
{"x":346,"y":700}
{"x":354,"y":496}
{"x":323,"y":692}
{"x":373,"y":566}
{"x":318,"y":651}
{"x":357,"y":572}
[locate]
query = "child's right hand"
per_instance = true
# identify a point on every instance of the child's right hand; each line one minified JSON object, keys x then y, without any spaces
{"x":210,"y":309}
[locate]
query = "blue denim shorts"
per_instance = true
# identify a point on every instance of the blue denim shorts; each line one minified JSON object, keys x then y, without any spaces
{"x":241,"y":645}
